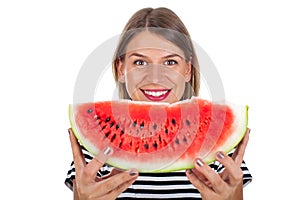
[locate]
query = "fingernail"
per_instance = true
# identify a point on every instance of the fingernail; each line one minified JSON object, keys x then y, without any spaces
{"x":199,"y":162}
{"x":133,"y":172}
{"x":107,"y":151}
{"x":220,"y":155}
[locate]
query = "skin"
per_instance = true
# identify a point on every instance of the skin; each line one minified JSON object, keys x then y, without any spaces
{"x":155,"y":65}
{"x":163,"y":57}
{"x":88,"y":186}
{"x":227,"y":185}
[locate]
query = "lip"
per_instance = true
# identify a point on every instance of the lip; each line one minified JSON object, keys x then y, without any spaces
{"x":156,"y":94}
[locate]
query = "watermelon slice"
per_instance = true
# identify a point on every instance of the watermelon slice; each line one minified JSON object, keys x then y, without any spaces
{"x":158,"y":137}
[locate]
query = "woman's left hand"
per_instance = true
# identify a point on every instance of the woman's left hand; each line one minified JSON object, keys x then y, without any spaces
{"x":227,"y":185}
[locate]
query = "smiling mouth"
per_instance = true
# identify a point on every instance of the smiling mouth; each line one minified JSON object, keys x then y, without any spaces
{"x":156,"y":94}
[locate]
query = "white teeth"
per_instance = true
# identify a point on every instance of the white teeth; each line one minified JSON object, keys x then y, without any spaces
{"x":156,"y":94}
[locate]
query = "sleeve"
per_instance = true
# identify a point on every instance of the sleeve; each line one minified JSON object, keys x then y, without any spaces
{"x":247,"y":177}
{"x":106,"y":169}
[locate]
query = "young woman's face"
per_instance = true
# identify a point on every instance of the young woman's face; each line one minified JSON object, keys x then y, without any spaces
{"x":154,"y":69}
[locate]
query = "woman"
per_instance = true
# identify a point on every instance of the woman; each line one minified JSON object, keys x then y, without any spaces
{"x":155,"y":61}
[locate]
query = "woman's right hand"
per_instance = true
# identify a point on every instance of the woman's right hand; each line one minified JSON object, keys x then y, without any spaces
{"x":87,"y":185}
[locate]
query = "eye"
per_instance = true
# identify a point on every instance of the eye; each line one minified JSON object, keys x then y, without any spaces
{"x":170,"y":62}
{"x":140,"y":62}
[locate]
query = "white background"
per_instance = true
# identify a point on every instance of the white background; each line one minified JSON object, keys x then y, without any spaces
{"x":254,"y":45}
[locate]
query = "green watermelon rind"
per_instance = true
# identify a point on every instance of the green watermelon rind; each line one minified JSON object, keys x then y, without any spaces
{"x":178,"y":165}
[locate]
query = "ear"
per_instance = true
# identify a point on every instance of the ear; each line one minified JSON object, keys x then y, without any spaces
{"x":188,"y":72}
{"x":121,"y":77}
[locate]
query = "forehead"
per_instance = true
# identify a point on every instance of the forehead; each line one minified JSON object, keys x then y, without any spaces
{"x":147,"y":40}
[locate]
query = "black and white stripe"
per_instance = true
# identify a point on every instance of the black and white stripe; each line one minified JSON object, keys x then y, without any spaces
{"x":172,"y":185}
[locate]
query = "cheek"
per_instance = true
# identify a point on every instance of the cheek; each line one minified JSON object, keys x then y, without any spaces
{"x":132,"y":80}
{"x":179,"y":85}
{"x":177,"y":77}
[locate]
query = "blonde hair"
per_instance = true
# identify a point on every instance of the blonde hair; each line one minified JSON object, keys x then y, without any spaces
{"x":166,"y":23}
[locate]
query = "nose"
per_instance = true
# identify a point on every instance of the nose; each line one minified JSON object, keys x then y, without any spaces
{"x":155,"y":73}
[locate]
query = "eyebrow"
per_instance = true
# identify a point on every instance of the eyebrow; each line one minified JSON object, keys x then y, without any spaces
{"x":144,"y":56}
{"x":137,"y":55}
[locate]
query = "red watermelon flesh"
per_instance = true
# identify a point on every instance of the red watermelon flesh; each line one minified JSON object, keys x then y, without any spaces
{"x":158,"y":137}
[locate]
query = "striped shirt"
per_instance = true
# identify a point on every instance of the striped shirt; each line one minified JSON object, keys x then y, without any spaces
{"x":171,"y":185}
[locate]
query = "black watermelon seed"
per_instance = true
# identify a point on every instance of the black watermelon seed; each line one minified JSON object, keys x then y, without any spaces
{"x":113,"y":138}
{"x":166,"y":131}
{"x":154,"y":126}
{"x":134,"y":124}
{"x":177,"y":141}
{"x":122,"y":133}
{"x":103,"y":127}
{"x":184,"y":139}
{"x":146,"y":146}
{"x":117,"y":126}
{"x":187,"y":122}
{"x":174,"y":122}
{"x":107,"y":134}
{"x":142,"y":125}
{"x":155,"y":145}
{"x":159,"y":138}
{"x":107,"y":119}
{"x":120,"y":144}
{"x":90,"y":110}
{"x":111,"y":124}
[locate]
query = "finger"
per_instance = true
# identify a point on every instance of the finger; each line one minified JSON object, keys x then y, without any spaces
{"x":234,"y":172}
{"x":92,"y":168}
{"x":217,"y":183}
{"x":115,"y":182}
{"x":198,"y":183}
{"x":199,"y":175}
{"x":113,"y":172}
{"x":238,"y":154}
{"x":224,"y":175}
{"x":78,"y":157}
{"x":202,"y":177}
{"x":121,"y":188}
